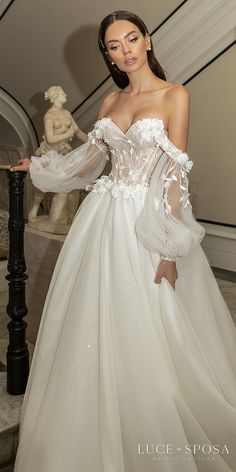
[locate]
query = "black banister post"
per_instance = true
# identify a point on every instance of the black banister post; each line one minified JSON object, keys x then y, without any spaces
{"x":17,"y":352}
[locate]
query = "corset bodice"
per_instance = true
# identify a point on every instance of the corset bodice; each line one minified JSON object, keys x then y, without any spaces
{"x":134,"y":153}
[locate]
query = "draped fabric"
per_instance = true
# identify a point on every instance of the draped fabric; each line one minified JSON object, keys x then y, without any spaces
{"x":53,"y":172}
{"x":129,"y":375}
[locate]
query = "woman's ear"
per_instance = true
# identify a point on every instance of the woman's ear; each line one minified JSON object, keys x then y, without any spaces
{"x":108,"y":57}
{"x":148,"y":41}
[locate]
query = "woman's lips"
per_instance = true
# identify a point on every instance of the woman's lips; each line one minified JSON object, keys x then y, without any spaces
{"x":130,"y":61}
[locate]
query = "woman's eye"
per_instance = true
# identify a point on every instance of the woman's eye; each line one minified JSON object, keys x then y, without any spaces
{"x":114,"y":48}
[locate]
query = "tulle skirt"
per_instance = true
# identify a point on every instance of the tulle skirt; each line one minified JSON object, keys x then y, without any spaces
{"x":129,"y":375}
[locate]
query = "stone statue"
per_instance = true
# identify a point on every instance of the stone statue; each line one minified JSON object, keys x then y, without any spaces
{"x":60,"y":128}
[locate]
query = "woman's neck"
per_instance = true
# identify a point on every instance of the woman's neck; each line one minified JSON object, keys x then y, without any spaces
{"x":142,"y":81}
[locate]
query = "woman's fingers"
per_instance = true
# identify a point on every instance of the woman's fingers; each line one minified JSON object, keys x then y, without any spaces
{"x":14,"y":168}
{"x":171,"y":282}
{"x":22,"y":164}
{"x":157,"y":279}
{"x":167,"y":270}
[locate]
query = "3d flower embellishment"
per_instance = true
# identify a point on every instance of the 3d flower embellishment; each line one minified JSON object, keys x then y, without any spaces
{"x":175,"y":153}
{"x":116,"y":188}
{"x":97,"y":131}
{"x":189,"y":165}
{"x":182,"y":157}
{"x":149,"y":129}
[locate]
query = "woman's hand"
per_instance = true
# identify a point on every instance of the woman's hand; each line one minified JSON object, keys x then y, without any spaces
{"x":168,"y":270}
{"x":23,"y":164}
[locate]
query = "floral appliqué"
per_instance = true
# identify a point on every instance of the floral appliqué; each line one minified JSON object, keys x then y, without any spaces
{"x":128,"y":177}
{"x":97,"y":131}
{"x":176,"y":173}
{"x":150,"y":129}
{"x":116,"y":189}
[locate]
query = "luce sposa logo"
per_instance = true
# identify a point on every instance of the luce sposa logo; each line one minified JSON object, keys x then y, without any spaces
{"x":188,"y":449}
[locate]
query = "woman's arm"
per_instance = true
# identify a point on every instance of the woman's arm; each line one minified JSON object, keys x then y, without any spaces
{"x":178,"y":103}
{"x":53,"y":172}
{"x":24,"y":163}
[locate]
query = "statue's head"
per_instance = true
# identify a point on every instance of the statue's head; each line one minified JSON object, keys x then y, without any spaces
{"x":55,"y":94}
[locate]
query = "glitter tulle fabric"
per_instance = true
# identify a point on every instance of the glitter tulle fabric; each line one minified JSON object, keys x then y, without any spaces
{"x":128,"y":375}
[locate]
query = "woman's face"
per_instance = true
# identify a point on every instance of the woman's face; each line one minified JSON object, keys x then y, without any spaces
{"x":126,"y":46}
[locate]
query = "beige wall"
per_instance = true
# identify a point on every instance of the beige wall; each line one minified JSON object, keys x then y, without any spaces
{"x":42,"y":43}
{"x":7,"y":133}
{"x":212,"y":139}
{"x":48,"y":42}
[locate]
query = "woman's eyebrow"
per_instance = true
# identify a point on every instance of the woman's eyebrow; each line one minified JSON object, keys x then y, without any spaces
{"x":112,"y":40}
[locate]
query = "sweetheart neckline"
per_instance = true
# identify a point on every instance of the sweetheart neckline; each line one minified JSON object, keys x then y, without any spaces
{"x":135,"y":122}
{"x":145,"y":119}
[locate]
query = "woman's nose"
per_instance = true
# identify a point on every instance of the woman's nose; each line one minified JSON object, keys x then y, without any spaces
{"x":126,"y":49}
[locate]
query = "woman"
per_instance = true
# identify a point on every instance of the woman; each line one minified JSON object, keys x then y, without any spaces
{"x":134,"y":364}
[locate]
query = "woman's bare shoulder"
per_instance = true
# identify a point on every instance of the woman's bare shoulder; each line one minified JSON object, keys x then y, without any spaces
{"x":107,"y":103}
{"x":178,"y":93}
{"x":178,"y":106}
{"x":177,"y":98}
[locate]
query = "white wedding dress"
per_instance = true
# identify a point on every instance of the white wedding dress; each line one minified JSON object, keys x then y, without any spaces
{"x":129,"y":375}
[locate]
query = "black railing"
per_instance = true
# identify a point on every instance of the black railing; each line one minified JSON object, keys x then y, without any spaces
{"x":17,"y":351}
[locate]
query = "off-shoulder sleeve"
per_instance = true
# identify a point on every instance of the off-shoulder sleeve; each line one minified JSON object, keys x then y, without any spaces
{"x":166,"y":223}
{"x":54,"y":172}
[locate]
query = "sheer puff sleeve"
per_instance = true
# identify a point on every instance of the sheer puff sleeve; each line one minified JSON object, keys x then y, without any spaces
{"x":166,"y":223}
{"x":54,"y":172}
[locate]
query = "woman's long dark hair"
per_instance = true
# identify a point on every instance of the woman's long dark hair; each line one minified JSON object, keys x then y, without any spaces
{"x":120,"y":78}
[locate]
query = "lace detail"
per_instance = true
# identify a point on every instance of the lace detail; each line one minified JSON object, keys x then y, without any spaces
{"x":116,"y":189}
{"x":97,"y":132}
{"x":166,"y":223}
{"x":133,"y":160}
{"x":175,"y":173}
{"x":142,"y":159}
